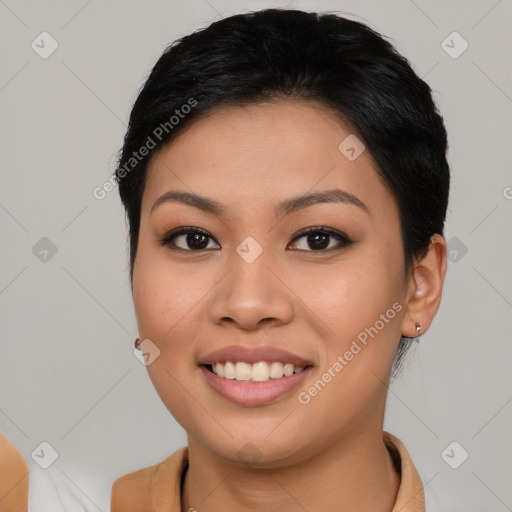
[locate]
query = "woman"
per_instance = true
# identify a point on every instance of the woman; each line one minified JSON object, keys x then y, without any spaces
{"x":285,"y":180}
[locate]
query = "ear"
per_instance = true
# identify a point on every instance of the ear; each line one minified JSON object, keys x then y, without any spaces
{"x":425,"y":288}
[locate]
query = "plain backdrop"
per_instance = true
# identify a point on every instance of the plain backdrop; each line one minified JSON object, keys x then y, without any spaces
{"x":68,"y":375}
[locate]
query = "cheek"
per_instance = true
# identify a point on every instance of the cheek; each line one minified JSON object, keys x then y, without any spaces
{"x":362,"y":310}
{"x":361,"y":306}
{"x":168,"y":299}
{"x":163,"y":298}
{"x":350,"y":296}
{"x":162,"y":295}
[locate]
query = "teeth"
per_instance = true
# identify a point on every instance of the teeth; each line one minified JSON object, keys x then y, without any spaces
{"x":258,"y":372}
{"x":243,"y":371}
{"x":276,"y":370}
{"x":288,"y":369}
{"x":229,"y":370}
{"x":219,"y":369}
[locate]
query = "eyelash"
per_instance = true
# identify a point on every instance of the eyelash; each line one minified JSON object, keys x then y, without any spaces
{"x":344,"y":240}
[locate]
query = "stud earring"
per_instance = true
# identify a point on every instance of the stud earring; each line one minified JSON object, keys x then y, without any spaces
{"x":137,"y":343}
{"x":418,"y":327}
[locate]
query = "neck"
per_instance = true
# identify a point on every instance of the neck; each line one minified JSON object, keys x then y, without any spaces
{"x":356,"y":473}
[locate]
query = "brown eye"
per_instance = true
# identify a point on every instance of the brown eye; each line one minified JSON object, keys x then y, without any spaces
{"x":320,"y":239}
{"x":317,"y":239}
{"x":188,"y":239}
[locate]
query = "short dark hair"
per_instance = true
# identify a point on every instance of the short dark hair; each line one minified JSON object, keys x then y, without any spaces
{"x":276,"y":54}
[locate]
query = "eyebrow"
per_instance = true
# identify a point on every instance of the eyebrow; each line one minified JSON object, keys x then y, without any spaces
{"x":294,"y":204}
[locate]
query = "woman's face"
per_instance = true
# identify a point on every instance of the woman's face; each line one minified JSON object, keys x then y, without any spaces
{"x":335,"y":300}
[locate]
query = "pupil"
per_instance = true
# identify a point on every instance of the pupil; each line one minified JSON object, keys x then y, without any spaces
{"x":192,"y":238}
{"x":313,"y":241}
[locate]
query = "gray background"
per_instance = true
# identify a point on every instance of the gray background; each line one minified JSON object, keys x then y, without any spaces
{"x":68,"y":375}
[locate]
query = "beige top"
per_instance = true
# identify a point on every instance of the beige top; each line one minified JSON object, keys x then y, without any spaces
{"x":158,"y":488}
{"x":13,"y":478}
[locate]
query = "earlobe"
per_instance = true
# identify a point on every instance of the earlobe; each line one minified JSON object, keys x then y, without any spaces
{"x":425,"y":289}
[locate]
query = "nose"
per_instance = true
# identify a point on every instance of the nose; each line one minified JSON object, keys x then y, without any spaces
{"x":252,"y":296}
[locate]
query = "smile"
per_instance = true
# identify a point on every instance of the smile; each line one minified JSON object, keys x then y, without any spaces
{"x":261,"y":371}
{"x":253,"y":375}
{"x":247,"y":391}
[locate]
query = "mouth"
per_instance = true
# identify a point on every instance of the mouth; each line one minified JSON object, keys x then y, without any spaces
{"x":262,"y":371}
{"x":253,"y":385}
{"x":253,"y":375}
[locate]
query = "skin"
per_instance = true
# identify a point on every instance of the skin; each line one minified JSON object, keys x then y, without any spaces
{"x":328,"y":454}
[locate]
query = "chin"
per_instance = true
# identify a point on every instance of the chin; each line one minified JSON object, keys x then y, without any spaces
{"x":265,"y":444}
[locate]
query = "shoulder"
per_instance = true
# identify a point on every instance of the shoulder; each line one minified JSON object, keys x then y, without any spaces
{"x":410,"y":496}
{"x":13,"y":478}
{"x":144,"y":489}
{"x":132,"y":492}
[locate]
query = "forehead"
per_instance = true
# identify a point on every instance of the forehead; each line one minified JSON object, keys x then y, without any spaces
{"x":264,"y":153}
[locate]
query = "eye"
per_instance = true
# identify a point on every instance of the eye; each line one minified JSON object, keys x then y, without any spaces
{"x":192,"y":239}
{"x":318,"y":239}
{"x":196,"y":239}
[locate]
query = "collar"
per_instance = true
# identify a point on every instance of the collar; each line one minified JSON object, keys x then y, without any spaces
{"x":158,"y":488}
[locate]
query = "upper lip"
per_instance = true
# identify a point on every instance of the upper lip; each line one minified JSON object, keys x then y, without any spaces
{"x":253,"y":355}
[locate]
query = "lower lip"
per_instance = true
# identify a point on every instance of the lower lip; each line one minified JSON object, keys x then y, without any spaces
{"x":253,"y":394}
